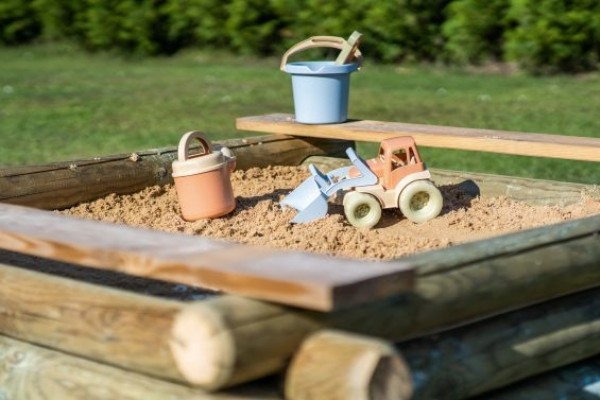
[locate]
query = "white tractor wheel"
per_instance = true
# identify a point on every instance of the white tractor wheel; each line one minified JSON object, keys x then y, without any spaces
{"x":420,"y":201}
{"x":362,"y":210}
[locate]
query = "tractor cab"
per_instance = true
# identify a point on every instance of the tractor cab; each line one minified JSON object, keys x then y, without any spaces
{"x":397,"y":158}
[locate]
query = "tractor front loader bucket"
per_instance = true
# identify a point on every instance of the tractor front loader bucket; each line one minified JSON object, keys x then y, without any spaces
{"x":308,"y":200}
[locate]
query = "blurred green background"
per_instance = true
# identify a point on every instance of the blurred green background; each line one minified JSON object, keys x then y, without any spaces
{"x":89,"y":78}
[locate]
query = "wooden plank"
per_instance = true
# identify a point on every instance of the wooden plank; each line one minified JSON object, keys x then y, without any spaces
{"x":36,"y":373}
{"x":64,"y":184}
{"x":494,"y":141}
{"x":106,"y":278}
{"x":300,"y":279}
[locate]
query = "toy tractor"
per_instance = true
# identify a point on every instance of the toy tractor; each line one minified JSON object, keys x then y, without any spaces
{"x":396,"y":178}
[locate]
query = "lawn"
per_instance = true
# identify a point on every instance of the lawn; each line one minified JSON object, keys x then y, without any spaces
{"x":59,"y":103}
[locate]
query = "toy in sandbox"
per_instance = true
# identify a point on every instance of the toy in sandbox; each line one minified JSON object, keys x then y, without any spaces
{"x":396,"y":178}
{"x":203,"y":179}
{"x":321,"y":88}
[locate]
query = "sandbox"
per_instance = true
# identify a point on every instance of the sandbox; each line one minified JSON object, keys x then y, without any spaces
{"x":261,"y":220}
{"x":93,"y":309}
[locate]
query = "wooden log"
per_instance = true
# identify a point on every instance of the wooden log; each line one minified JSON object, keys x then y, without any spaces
{"x":115,"y":327}
{"x":531,"y":191}
{"x":575,"y":381}
{"x":494,"y":141}
{"x":493,"y":353}
{"x":454,"y":286}
{"x":36,"y":373}
{"x":112,"y":326}
{"x":255,"y":339}
{"x":301,"y":279}
{"x":340,"y":366}
{"x":64,"y":184}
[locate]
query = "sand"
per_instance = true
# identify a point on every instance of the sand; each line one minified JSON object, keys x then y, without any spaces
{"x":259,"y":219}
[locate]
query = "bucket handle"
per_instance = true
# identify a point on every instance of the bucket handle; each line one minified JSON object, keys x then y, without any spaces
{"x":334,"y":42}
{"x":184,"y":145}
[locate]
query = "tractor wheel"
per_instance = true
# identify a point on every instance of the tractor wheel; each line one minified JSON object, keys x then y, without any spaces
{"x":420,"y":201}
{"x":362,"y":210}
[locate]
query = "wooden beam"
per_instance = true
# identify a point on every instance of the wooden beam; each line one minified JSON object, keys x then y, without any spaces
{"x":580,"y":380}
{"x":171,"y":340}
{"x":338,"y":365}
{"x":454,"y":286}
{"x":300,"y":279}
{"x":37,"y":373}
{"x":495,"y":352}
{"x":64,"y":184}
{"x":531,"y":191}
{"x":452,"y":365}
{"x":162,"y":338}
{"x":516,"y":143}
{"x":112,"y":326}
{"x":255,"y":339}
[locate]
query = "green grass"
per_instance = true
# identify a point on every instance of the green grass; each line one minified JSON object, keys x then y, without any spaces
{"x":58,"y":103}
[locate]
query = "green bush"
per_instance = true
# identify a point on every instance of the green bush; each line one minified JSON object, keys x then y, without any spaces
{"x":318,"y":18}
{"x":542,"y":36}
{"x":252,"y":26}
{"x":197,"y":23}
{"x":398,"y":30}
{"x":474,"y":30}
{"x":421,"y":31}
{"x":126,"y":25}
{"x":555,"y":35}
{"x":60,"y":19}
{"x":19,"y":22}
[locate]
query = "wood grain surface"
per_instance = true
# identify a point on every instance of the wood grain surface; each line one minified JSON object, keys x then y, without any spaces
{"x":516,"y":143}
{"x":580,"y":380}
{"x":472,"y":360}
{"x":300,"y":279}
{"x":454,"y":287}
{"x":64,"y":184}
{"x":32,"y":372}
{"x":131,"y":331}
{"x":338,"y":365}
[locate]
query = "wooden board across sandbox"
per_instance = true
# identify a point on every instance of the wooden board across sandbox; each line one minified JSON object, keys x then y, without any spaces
{"x":134,"y":325}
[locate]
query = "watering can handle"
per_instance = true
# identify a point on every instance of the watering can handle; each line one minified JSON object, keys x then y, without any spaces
{"x":334,"y":42}
{"x":186,"y":140}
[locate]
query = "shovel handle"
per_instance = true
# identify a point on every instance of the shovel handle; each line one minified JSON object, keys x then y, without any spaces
{"x":334,"y":42}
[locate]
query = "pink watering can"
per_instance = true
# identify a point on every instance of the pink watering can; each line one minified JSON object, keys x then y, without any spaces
{"x":203,"y":180}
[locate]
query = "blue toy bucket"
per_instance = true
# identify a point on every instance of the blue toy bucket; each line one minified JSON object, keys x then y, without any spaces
{"x":320,"y":88}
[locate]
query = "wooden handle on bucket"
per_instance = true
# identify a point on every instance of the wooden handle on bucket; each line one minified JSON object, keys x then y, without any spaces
{"x":184,"y":144}
{"x":334,"y":42}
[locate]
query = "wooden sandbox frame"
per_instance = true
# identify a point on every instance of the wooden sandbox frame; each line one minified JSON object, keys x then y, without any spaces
{"x":136,"y":345}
